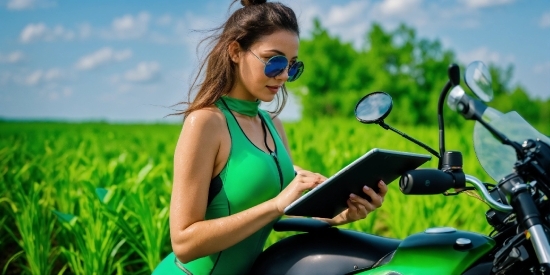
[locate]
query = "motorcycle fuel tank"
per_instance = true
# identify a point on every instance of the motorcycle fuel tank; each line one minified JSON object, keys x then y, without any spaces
{"x":442,"y":250}
{"x":323,"y":251}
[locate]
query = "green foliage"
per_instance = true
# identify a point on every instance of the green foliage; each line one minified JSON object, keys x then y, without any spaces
{"x":84,"y":198}
{"x":412,"y":70}
{"x":94,"y":198}
{"x":337,"y":75}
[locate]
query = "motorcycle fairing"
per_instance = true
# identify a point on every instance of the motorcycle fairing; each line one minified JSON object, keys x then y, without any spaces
{"x":435,"y":254}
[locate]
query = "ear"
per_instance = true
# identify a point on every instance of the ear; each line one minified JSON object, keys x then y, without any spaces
{"x":234,"y":50}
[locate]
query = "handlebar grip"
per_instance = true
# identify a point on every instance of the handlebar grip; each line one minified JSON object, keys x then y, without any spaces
{"x":426,"y":182}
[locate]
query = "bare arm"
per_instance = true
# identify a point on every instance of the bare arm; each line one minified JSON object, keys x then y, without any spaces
{"x":195,"y":155}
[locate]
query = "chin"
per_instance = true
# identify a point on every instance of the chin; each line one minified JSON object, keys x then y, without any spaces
{"x":267,"y":98}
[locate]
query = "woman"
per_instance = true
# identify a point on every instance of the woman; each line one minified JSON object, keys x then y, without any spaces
{"x":233,"y":175}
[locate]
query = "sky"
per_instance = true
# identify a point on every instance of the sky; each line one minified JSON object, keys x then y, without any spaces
{"x":130,"y":61}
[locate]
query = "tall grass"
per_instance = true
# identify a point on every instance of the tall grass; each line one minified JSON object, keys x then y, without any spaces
{"x":94,"y":198}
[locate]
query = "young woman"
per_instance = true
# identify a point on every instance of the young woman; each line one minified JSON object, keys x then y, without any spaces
{"x":233,"y":174}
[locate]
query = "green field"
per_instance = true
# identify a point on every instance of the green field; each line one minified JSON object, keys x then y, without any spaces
{"x":93,"y":198}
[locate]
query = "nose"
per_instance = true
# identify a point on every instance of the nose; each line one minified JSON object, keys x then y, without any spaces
{"x":284,"y":75}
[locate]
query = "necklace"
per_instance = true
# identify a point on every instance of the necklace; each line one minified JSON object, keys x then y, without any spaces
{"x":243,"y":107}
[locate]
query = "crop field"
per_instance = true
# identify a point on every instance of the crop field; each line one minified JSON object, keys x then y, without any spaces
{"x":93,"y":198}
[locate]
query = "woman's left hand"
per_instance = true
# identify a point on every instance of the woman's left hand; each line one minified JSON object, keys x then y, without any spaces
{"x":358,"y":207}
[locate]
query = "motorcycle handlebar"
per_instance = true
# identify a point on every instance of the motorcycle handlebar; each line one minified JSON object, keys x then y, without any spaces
{"x":434,"y":181}
{"x":426,"y":182}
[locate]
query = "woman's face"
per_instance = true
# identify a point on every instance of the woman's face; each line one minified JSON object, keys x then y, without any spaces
{"x":252,"y":83}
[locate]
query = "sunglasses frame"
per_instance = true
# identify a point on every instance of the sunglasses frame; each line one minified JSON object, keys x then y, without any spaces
{"x":298,"y":65}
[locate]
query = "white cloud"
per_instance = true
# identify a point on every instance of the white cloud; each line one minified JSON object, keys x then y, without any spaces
{"x":129,"y":26}
{"x":67,"y":91}
{"x":165,"y":20}
{"x":28,"y":4}
{"x":42,"y":76}
{"x":478,"y":4}
{"x":34,"y":78}
{"x":52,"y":74}
{"x":544,"y":21}
{"x":20,"y":4}
{"x":55,"y":92}
{"x":345,"y":20}
{"x":144,"y":72}
{"x":487,"y":56}
{"x":101,"y":57}
{"x":395,"y":7}
{"x":543,"y":68}
{"x":13,"y":57}
{"x":350,"y":21}
{"x":39,"y":31}
{"x":343,"y":14}
{"x":32,"y":32}
{"x":305,"y":11}
{"x":85,"y":30}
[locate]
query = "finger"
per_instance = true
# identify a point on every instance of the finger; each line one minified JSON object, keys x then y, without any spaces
{"x":362,"y":210}
{"x":351,"y":211}
{"x":302,"y":173}
{"x":383,"y":189}
{"x":321,"y":178}
{"x":356,"y":211}
{"x":367,"y":205}
{"x":376,"y":200}
{"x":351,"y":206}
{"x":363,"y":202}
{"x":358,"y":199}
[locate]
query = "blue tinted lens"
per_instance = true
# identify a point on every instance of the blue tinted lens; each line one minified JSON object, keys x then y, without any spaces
{"x":275,"y":66}
{"x":295,"y":71}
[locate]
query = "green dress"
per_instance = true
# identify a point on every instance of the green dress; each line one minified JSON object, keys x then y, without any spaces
{"x":250,"y":177}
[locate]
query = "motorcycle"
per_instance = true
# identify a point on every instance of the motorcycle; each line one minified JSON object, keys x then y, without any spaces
{"x":519,"y":205}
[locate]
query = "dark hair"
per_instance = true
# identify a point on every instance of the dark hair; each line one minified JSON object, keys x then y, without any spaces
{"x":257,"y":18}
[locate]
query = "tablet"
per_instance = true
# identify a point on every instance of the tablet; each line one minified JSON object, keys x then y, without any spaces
{"x":329,"y":198}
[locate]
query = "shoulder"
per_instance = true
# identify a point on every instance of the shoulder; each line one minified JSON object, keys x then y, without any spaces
{"x":276,"y":122}
{"x":209,"y":118}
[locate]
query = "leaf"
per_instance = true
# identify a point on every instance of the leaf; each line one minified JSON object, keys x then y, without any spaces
{"x":143,"y":172}
{"x":102,"y":194}
{"x":64,"y":217}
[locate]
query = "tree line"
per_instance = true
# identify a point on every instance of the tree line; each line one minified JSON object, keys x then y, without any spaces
{"x":411,"y":69}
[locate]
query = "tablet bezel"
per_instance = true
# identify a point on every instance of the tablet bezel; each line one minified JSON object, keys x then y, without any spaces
{"x":329,"y":198}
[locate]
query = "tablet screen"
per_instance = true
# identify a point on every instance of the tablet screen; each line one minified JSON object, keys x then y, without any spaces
{"x":329,"y":198}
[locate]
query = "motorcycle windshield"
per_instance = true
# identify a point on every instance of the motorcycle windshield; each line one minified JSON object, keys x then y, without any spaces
{"x":497,"y":159}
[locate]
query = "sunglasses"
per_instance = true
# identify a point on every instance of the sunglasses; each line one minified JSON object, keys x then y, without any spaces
{"x":278,"y":64}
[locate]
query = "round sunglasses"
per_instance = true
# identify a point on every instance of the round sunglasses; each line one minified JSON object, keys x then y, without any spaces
{"x":276,"y":65}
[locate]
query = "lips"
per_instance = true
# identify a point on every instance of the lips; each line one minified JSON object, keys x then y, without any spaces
{"x":273,"y":89}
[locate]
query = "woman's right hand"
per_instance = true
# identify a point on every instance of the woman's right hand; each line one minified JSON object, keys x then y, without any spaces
{"x":304,"y":180}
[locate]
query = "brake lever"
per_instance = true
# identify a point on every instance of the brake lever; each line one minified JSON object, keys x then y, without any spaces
{"x":463,"y":189}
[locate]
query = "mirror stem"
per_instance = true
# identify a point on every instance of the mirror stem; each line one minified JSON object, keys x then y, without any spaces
{"x":388,"y":127}
{"x":440,"y":118}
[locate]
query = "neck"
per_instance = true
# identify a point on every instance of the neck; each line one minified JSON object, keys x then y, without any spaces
{"x":240,"y":106}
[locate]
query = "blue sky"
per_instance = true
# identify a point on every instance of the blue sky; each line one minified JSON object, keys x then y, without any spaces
{"x":127,"y":61}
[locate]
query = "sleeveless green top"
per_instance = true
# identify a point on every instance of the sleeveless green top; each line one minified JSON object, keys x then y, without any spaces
{"x":250,"y":177}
